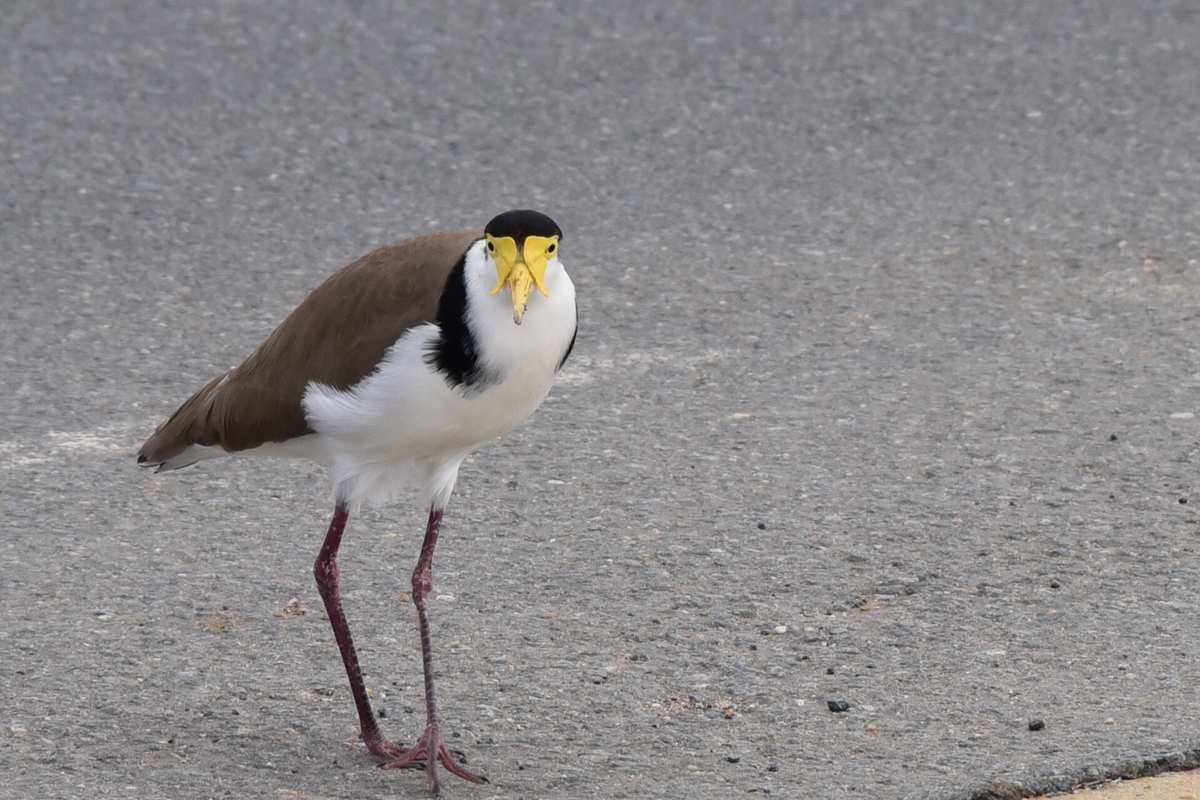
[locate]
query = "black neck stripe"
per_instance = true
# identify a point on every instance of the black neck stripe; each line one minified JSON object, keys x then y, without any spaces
{"x":455,"y":352}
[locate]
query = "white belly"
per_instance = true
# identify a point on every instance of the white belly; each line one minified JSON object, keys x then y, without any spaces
{"x":406,"y":427}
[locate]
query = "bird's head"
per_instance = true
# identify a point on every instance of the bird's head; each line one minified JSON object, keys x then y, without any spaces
{"x":522,"y":244}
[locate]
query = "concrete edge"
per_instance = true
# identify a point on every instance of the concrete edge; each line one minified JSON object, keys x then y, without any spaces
{"x":1084,"y":777}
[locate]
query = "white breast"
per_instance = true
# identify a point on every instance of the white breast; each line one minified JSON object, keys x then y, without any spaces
{"x":406,"y":427}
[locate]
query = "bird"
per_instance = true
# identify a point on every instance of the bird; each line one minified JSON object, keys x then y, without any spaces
{"x":390,"y":373}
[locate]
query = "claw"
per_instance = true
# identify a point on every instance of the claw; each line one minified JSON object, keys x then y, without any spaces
{"x":431,"y":741}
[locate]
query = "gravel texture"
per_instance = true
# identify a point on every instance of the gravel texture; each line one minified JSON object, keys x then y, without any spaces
{"x":887,"y":364}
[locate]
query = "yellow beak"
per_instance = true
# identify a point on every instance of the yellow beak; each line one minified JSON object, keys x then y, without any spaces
{"x":520,"y":272}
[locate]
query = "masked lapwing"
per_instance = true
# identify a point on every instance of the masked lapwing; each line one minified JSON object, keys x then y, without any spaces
{"x":390,"y":373}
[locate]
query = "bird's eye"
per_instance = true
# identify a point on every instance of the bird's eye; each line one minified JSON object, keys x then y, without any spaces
{"x":551,"y":248}
{"x":491,"y":247}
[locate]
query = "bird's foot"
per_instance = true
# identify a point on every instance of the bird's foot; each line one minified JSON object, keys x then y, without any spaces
{"x":430,"y":749}
{"x":384,"y":750}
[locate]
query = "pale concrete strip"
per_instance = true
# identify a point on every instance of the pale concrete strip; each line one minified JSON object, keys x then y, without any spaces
{"x":1170,"y":786}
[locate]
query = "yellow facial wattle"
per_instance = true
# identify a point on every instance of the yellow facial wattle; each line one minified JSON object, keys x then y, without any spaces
{"x":522,"y":270}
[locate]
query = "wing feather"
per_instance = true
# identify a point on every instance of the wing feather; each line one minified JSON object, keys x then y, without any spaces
{"x":336,"y":336}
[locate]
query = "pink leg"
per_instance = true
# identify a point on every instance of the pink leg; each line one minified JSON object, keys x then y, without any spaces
{"x":431,"y":747}
{"x":328,"y":584}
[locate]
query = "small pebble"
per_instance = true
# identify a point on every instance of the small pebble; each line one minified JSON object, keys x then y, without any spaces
{"x":871,"y":728}
{"x":1036,"y":724}
{"x":838,"y":706}
{"x":781,"y":628}
{"x":829,"y":670}
{"x":1112,"y":437}
{"x":729,"y":712}
{"x":772,"y":767}
{"x":1055,"y":584}
{"x":382,"y":712}
{"x":1183,"y":501}
{"x":293,"y":609}
{"x":762,"y":526}
{"x":733,"y":759}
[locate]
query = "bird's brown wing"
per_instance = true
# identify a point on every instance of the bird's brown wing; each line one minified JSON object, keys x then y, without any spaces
{"x":336,"y":336}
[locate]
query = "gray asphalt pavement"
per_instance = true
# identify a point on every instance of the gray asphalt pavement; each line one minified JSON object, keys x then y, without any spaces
{"x":885,"y":392}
